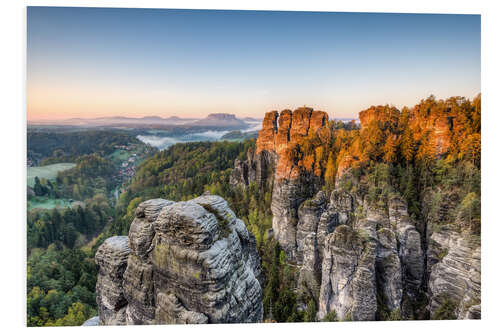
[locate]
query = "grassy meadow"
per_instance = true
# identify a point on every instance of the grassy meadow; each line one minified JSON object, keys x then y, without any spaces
{"x":48,"y":171}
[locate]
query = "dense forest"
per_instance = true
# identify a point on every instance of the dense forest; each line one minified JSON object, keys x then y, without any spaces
{"x":55,"y":146}
{"x":185,"y":171}
{"x":393,"y":154}
{"x":61,"y":269}
{"x":61,"y":287}
{"x":70,"y":226}
{"x":390,"y":154}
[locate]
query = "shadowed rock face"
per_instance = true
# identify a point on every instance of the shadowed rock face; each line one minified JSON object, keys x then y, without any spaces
{"x":399,"y":267}
{"x":366,"y":262}
{"x":410,"y":251}
{"x":293,"y":181}
{"x":256,"y":168}
{"x":455,"y":274}
{"x":188,"y":262}
{"x":111,"y":257}
{"x":348,"y":270}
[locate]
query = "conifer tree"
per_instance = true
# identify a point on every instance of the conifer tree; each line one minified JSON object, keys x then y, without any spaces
{"x":330,"y":171}
{"x":390,"y":153}
{"x":407,"y":145}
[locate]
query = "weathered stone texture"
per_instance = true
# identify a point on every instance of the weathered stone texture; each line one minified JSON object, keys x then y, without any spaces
{"x":456,"y":273}
{"x":188,"y":262}
{"x":348,"y":276}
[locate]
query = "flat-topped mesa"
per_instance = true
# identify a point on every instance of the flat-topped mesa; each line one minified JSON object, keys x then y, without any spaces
{"x":186,"y":262}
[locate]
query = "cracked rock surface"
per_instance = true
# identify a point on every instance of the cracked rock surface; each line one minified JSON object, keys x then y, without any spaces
{"x":189,"y":262}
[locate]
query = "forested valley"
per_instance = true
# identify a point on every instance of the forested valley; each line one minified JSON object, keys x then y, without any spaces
{"x":392,"y":155}
{"x":61,"y":270}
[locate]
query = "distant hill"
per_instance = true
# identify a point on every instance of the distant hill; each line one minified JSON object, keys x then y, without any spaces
{"x":117,"y":121}
{"x":238,"y":135}
{"x":221,"y":120}
{"x":252,"y":120}
{"x":214,"y":120}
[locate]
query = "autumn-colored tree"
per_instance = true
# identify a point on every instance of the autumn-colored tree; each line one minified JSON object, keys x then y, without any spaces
{"x":426,"y":151}
{"x":476,"y":114}
{"x":330,"y":171}
{"x":407,"y":145}
{"x":390,"y":149}
{"x":470,"y":149}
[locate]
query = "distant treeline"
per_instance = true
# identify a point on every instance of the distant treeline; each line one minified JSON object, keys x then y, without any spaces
{"x":47,"y":147}
{"x":92,"y":175}
{"x":63,"y":227}
{"x":61,"y":276}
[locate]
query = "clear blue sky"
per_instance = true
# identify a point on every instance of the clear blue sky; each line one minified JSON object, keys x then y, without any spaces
{"x":90,"y":62}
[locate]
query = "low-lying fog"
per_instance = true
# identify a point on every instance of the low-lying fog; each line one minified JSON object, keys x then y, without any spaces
{"x":163,"y":142}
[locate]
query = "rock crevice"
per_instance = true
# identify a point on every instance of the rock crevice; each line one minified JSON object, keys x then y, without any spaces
{"x":183,"y":262}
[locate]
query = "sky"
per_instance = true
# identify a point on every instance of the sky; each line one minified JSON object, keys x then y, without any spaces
{"x":101,"y":62}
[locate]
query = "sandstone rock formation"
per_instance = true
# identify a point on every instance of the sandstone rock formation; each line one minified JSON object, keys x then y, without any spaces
{"x":94,"y":321}
{"x":360,"y":267}
{"x":437,"y":126}
{"x":410,"y":249}
{"x":111,"y":257}
{"x":455,"y":273}
{"x":281,"y":132}
{"x":273,"y":164}
{"x":362,"y":262}
{"x":183,"y":262}
{"x":256,"y":168}
{"x":348,"y":271}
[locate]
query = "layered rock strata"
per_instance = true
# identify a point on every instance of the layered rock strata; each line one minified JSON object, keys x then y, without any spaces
{"x":273,"y":163}
{"x":406,"y":269}
{"x":187,"y":262}
{"x":361,"y":268}
{"x":111,"y":257}
{"x":455,"y":274}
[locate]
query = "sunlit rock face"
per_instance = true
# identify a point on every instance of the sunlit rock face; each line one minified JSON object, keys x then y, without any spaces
{"x":282,"y":131}
{"x":187,"y":262}
{"x":363,"y":262}
{"x":437,"y":126}
{"x":293,"y":180}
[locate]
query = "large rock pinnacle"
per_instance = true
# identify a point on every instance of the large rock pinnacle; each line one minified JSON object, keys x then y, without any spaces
{"x":183,"y":262}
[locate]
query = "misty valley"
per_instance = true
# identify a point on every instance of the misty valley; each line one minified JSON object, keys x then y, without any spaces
{"x":301,"y":202}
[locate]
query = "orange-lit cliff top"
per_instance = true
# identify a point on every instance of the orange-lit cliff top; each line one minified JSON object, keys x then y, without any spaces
{"x":282,"y":131}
